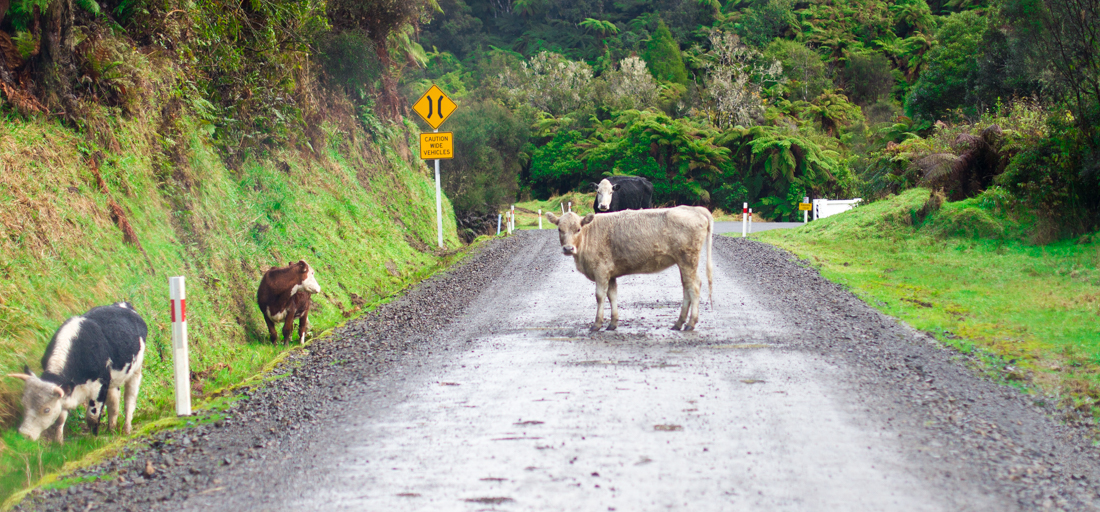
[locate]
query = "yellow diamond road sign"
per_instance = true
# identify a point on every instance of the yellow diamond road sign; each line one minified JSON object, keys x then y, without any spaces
{"x":437,"y":145}
{"x":434,"y":107}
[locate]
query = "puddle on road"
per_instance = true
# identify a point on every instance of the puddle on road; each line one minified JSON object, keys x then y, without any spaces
{"x":494,"y":500}
{"x":739,"y":345}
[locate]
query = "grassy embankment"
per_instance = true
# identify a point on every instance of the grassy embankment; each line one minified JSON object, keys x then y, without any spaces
{"x":967,"y":275}
{"x":358,"y":210}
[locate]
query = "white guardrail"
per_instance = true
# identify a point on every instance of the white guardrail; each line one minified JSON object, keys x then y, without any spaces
{"x":825,"y":207}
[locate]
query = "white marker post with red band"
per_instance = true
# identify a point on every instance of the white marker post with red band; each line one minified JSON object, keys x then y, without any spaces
{"x":178,"y":295}
{"x":744,"y":220}
{"x":750,"y":220}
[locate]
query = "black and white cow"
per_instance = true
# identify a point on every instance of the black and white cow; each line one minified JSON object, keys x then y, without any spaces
{"x":618,"y":193}
{"x":86,"y":363}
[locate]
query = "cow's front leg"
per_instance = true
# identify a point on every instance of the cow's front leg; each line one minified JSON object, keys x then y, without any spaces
{"x":132,"y":388}
{"x":601,"y":293}
{"x":288,"y":327}
{"x":57,"y":431}
{"x":613,"y":299}
{"x":303,"y":328}
{"x":112,"y":409}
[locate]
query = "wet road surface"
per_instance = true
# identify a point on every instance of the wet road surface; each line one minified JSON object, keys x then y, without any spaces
{"x":536,"y":413}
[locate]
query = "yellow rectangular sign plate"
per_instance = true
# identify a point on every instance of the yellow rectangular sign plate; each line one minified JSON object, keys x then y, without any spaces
{"x":805,"y":206}
{"x":437,"y":145}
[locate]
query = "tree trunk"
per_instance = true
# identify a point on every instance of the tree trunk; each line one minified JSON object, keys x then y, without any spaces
{"x":55,"y":66}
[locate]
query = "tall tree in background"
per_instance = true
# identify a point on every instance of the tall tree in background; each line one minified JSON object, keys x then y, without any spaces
{"x":383,"y":22}
{"x":663,"y":56}
{"x":1073,"y":44}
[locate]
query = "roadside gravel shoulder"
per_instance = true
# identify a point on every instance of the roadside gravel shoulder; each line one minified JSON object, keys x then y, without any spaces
{"x":1038,"y":455}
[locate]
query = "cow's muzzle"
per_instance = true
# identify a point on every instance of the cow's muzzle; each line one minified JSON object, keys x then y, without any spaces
{"x":31,"y":434}
{"x":568,"y":250}
{"x":603,"y":208}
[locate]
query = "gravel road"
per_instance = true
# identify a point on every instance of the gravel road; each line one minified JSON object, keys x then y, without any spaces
{"x":482,"y":389}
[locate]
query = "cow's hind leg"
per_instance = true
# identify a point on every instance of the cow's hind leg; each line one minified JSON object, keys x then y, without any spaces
{"x":130,"y":401}
{"x":112,"y":409}
{"x":690,"y":281}
{"x":601,"y":293}
{"x":271,"y":330}
{"x":613,"y":299}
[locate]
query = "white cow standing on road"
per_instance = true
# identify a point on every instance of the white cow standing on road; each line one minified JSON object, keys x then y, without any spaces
{"x":610,"y":245}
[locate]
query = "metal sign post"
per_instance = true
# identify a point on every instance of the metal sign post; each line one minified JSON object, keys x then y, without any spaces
{"x":435,"y":107}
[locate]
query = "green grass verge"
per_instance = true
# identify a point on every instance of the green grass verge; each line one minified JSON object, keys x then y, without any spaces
{"x":966,"y":275}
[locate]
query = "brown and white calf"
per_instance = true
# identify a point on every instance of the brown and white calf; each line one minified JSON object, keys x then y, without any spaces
{"x":610,"y":245}
{"x":284,"y":295}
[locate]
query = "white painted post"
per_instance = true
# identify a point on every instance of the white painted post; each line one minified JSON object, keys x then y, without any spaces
{"x":805,"y":214}
{"x":744,"y":220}
{"x":178,"y":303}
{"x":570,"y":205}
{"x":563,"y":208}
{"x":540,"y":218}
{"x":508,"y":221}
{"x":498,"y":224}
{"x":750,"y":220}
{"x":438,"y":203}
{"x":513,"y":217}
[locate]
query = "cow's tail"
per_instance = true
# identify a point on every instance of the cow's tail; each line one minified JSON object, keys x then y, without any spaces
{"x":710,"y":259}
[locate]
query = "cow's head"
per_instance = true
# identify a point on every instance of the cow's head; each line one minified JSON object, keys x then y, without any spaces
{"x":603,"y":195}
{"x":569,"y":230}
{"x":306,"y":282}
{"x":41,"y":403}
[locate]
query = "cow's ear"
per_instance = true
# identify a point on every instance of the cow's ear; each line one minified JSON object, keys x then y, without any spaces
{"x":615,"y":187}
{"x":588,"y":219}
{"x":552,"y":218}
{"x":593,"y":185}
{"x":302,"y":265}
{"x":27,"y":370}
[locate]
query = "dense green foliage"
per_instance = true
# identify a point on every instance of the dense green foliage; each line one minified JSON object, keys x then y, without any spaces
{"x":765,"y":101}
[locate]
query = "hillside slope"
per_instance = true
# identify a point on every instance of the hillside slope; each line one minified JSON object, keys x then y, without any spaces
{"x":82,"y":227}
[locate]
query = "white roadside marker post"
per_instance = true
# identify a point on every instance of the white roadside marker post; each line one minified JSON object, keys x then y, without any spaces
{"x":513,"y":217}
{"x":178,"y":301}
{"x":498,"y":224}
{"x":744,"y":220}
{"x":570,"y":206}
{"x":540,"y":218}
{"x":750,"y":220}
{"x":563,"y":208}
{"x":805,"y":213}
